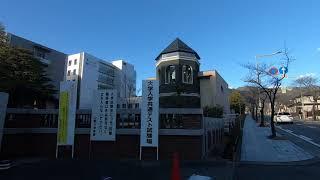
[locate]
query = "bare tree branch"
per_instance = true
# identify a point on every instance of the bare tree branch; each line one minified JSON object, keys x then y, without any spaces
{"x":260,"y":76}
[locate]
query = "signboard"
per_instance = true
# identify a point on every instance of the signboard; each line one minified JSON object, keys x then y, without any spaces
{"x":149,"y":114}
{"x":67,"y":113}
{"x":103,"y":118}
{"x":283,"y":70}
{"x":273,"y":71}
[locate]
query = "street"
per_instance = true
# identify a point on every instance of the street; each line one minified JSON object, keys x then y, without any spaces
{"x":117,"y":170}
{"x":303,"y":133}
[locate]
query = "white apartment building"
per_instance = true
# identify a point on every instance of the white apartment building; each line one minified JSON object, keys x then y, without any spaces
{"x":127,"y":76}
{"x":90,"y":73}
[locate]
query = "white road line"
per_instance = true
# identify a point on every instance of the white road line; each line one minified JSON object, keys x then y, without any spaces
{"x":305,"y":138}
{"x":299,"y":136}
{"x":299,"y":124}
{"x":311,"y":127}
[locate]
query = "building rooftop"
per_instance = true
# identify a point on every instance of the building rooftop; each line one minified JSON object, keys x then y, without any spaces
{"x":178,"y":46}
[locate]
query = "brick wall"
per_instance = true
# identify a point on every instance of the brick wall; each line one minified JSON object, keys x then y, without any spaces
{"x":188,"y":147}
{"x":125,"y":147}
{"x":29,"y":145}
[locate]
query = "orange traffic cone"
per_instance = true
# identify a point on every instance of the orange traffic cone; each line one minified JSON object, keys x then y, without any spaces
{"x":175,"y":174}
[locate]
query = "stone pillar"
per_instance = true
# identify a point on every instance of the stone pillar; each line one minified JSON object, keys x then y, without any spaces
{"x":3,"y":107}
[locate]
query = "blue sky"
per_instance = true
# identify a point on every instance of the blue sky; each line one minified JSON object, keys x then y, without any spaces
{"x":225,"y":33}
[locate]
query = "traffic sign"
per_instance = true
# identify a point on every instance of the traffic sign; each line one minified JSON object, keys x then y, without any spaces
{"x":273,"y":71}
{"x":283,"y":70}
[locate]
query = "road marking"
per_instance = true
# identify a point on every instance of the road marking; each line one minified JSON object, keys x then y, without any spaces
{"x":299,"y":136}
{"x":299,"y":124}
{"x":312,"y":127}
{"x":305,"y":137}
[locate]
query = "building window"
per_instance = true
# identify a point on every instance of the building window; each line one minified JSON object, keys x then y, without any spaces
{"x":39,"y":52}
{"x":129,"y":106}
{"x":136,"y":105}
{"x":75,"y":62}
{"x":118,"y":106}
{"x":124,"y":106}
{"x":221,"y":89}
{"x":187,"y":75}
{"x":70,"y":62}
{"x":74,"y":72}
{"x":170,"y":75}
{"x":69,"y":72}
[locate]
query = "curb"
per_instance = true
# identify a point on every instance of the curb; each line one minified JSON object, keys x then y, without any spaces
{"x":289,"y":163}
{"x":207,"y":163}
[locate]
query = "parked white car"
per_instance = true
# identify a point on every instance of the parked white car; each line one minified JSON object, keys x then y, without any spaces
{"x":283,"y":117}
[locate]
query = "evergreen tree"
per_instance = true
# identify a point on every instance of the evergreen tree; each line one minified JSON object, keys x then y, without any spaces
{"x":22,"y":75}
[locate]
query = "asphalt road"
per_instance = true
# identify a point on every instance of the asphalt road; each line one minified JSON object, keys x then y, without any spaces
{"x":100,"y":170}
{"x":274,"y":172}
{"x":306,"y":129}
{"x":117,"y":170}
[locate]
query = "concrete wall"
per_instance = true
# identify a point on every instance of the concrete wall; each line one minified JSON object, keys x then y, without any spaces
{"x":214,"y":90}
{"x":89,"y":81}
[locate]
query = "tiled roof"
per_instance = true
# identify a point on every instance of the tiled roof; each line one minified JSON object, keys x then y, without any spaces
{"x":178,"y":46}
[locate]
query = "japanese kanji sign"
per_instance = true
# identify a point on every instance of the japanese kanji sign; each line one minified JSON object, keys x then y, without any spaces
{"x":103,"y":118}
{"x":67,"y":113}
{"x":149,"y":114}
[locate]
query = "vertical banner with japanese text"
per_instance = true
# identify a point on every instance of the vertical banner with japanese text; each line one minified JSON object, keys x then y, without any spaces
{"x":149,"y":113}
{"x":67,"y":113}
{"x":103,"y":118}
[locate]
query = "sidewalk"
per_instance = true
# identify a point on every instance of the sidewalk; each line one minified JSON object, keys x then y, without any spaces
{"x":257,"y":147}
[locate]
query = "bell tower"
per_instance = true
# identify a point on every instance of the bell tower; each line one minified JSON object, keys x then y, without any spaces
{"x":177,"y":71}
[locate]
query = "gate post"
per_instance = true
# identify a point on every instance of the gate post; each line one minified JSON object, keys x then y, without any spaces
{"x":3,"y":107}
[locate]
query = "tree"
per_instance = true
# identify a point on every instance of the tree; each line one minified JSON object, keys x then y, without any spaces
{"x":269,"y":84}
{"x":3,"y":37}
{"x":250,"y":96}
{"x":263,"y":100}
{"x":130,"y":86}
{"x":23,"y":76}
{"x":214,"y":111}
{"x":236,"y":102}
{"x":311,"y":84}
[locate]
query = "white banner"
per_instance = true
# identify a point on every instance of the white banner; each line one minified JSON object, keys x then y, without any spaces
{"x":149,"y":113}
{"x":103,"y":117}
{"x":67,"y":113}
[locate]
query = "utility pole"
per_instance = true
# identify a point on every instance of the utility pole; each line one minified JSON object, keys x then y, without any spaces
{"x":302,"y":103}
